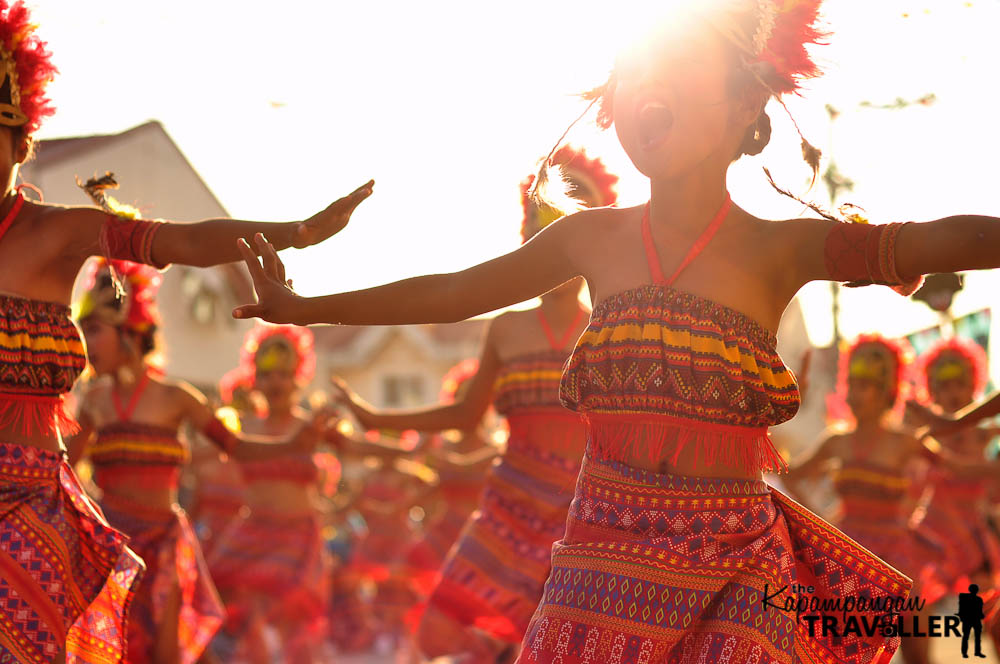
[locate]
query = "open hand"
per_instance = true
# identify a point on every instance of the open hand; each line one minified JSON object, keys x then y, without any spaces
{"x":344,"y":395}
{"x":276,"y":301}
{"x":332,"y":220}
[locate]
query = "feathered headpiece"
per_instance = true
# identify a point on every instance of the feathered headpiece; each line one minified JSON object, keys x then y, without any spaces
{"x":135,"y":310}
{"x":953,"y":358}
{"x":26,"y":67}
{"x":877,"y":358}
{"x":456,"y":377}
{"x":231,"y":381}
{"x":587,"y":180}
{"x":269,"y":347}
{"x":772,"y":37}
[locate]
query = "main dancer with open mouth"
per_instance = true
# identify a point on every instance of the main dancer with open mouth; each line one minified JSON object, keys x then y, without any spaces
{"x":672,"y":538}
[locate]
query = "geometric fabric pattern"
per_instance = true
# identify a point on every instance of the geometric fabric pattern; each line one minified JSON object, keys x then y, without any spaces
{"x":664,"y":568}
{"x":66,"y":576}
{"x":493,"y":576}
{"x":165,"y":541}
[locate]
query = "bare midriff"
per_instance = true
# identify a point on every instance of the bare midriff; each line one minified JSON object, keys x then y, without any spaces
{"x":14,"y":435}
{"x":282,"y":497}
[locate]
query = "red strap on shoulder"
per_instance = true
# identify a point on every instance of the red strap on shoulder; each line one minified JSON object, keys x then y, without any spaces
{"x":125,"y":414}
{"x":12,"y":214}
{"x":699,"y":245}
{"x":558,"y":344}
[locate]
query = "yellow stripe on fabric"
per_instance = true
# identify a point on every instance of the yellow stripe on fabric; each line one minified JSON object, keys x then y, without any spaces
{"x":872,"y":477}
{"x":42,"y":342}
{"x":551,"y":375}
{"x":125,"y":446}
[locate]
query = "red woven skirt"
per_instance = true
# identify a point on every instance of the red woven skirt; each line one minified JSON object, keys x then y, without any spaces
{"x":494,"y":575}
{"x":659,"y":568}
{"x":66,"y":576}
{"x":955,"y":519}
{"x":165,"y":541}
{"x":283,"y":558}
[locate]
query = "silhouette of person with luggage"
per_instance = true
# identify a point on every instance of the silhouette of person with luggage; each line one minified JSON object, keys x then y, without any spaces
{"x":970,"y":612}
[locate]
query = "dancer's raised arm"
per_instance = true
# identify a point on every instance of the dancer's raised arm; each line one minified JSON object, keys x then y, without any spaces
{"x":537,"y":267}
{"x":203,"y":243}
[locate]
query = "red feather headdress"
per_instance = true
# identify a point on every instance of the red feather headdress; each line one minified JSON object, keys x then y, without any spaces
{"x":26,"y":67}
{"x":456,"y":377}
{"x":136,"y":309}
{"x":233,"y":380}
{"x":296,"y":343}
{"x":952,"y":358}
{"x":896,"y":372}
{"x":588,"y":180}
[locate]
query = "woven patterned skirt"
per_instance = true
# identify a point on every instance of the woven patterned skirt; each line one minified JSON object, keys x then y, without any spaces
{"x":166,"y":542}
{"x":282,"y":558}
{"x":658,"y":568}
{"x":494,"y":574}
{"x":969,"y":545}
{"x":66,"y":576}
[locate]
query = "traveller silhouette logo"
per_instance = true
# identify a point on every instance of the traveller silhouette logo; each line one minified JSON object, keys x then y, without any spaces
{"x":888,"y":616}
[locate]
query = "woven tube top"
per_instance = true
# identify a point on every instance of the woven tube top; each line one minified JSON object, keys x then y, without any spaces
{"x":130,"y":449}
{"x":41,"y":356}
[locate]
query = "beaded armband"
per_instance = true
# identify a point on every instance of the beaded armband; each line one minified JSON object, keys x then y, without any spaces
{"x":217,"y":432}
{"x":864,"y":254}
{"x":130,"y":239}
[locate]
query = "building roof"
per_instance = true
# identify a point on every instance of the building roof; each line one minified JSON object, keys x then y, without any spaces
{"x":357,"y":345}
{"x":52,"y":150}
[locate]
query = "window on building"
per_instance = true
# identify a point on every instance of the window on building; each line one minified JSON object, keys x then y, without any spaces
{"x":402,"y":391}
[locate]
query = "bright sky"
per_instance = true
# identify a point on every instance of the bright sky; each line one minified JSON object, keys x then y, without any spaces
{"x":285,"y":106}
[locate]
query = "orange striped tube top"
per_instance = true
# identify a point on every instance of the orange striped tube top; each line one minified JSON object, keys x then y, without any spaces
{"x":870,"y":493}
{"x":660,"y":367}
{"x":130,"y":449}
{"x":526,"y":392}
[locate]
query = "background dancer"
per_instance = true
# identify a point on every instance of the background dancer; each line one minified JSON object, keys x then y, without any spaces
{"x":878,"y":467}
{"x":493,"y":577}
{"x":79,"y":611}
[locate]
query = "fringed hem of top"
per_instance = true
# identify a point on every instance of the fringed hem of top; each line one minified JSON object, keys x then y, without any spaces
{"x":37,"y":414}
{"x":612,"y":436}
{"x":554,"y":429}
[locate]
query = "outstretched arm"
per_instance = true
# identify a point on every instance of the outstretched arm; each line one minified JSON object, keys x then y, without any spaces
{"x":537,"y":267}
{"x":464,"y":414}
{"x":819,"y":249}
{"x":213,"y":241}
{"x":942,"y":425}
{"x":240,"y":445}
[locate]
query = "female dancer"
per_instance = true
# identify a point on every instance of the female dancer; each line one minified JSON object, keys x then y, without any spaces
{"x":68,"y":587}
{"x":492,"y":579}
{"x":878,"y":467}
{"x":672,"y":537}
{"x":274,"y":569}
{"x":954,"y":375}
{"x":130,"y":430}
